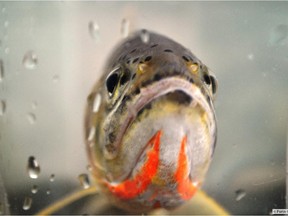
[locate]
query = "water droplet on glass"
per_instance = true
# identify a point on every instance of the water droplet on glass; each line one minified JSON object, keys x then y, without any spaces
{"x":31,"y":118}
{"x":125,"y":28}
{"x":30,"y":60}
{"x":94,"y":30}
{"x":27,"y":203}
{"x":33,"y":167}
{"x":48,"y":191}
{"x":7,"y":50}
{"x":6,"y":24}
{"x":84,"y":180}
{"x":1,"y":70}
{"x":240,"y":194}
{"x":89,"y":168}
{"x":91,"y":134}
{"x":52,"y":178}
{"x":55,"y":78}
{"x":145,"y":36}
{"x":34,"y":189}
{"x":250,"y":56}
{"x":34,"y":105}
{"x":279,"y":34}
{"x":97,"y":103}
{"x":2,"y":107}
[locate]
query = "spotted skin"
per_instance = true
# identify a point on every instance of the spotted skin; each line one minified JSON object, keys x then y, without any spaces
{"x":154,"y":127}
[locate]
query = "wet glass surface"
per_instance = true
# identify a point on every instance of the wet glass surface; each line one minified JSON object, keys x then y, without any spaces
{"x":51,"y":54}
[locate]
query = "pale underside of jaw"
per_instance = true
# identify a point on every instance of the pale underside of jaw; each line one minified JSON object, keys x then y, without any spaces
{"x":148,"y":96}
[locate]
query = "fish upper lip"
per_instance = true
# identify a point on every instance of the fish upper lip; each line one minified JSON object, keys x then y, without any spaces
{"x":157,"y":89}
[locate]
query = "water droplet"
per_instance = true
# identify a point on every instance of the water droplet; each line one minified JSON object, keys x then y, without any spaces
{"x":34,"y":105}
{"x":33,"y":167}
{"x":279,"y":34}
{"x":240,"y":194}
{"x":55,"y":78}
{"x":3,"y":10}
{"x":34,"y":189}
{"x":31,"y":117}
{"x":1,"y":70}
{"x":7,"y":50}
{"x":89,"y":168}
{"x":27,"y":203}
{"x":91,"y":134}
{"x":6,"y":24}
{"x":2,"y":107}
{"x":30,"y":60}
{"x":52,"y":178}
{"x":125,"y":28}
{"x":250,"y":56}
{"x":97,"y":103}
{"x":145,"y":36}
{"x":48,"y":191}
{"x":84,"y":180}
{"x":94,"y":30}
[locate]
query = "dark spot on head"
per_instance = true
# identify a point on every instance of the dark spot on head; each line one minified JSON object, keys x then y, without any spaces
{"x":133,"y":50}
{"x":185,"y":58}
{"x":207,"y":79}
{"x":128,"y":61}
{"x":137,"y":90}
{"x":154,"y":45}
{"x":148,"y":58}
{"x":157,"y":77}
{"x":191,"y":80}
{"x":135,"y":60}
{"x":126,"y":98}
{"x":168,"y":50}
{"x":125,"y":77}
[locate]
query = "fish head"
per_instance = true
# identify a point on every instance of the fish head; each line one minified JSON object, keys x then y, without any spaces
{"x":150,"y":124}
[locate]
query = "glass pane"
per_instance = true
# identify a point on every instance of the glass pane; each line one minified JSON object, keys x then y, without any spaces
{"x":52,"y":53}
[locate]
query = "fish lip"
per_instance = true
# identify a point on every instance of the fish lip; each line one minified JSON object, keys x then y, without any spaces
{"x":155,"y":90}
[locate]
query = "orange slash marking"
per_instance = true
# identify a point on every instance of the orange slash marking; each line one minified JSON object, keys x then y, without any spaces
{"x":133,"y":187}
{"x":185,"y":188}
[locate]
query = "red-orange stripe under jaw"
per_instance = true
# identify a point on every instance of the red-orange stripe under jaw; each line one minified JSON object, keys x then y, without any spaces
{"x":139,"y":183}
{"x":185,"y":188}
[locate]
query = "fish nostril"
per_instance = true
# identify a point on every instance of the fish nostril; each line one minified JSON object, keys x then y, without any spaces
{"x":185,"y":58}
{"x":135,"y":60}
{"x":168,"y":50}
{"x":155,"y":45}
{"x":148,"y":58}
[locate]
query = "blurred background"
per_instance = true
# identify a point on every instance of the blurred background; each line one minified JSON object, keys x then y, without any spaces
{"x":51,"y":53}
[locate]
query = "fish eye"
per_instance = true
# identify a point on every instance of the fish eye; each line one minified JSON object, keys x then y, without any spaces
{"x":116,"y":79}
{"x":112,"y":81}
{"x":211,"y":81}
{"x":207,"y":79}
{"x":214,"y":84}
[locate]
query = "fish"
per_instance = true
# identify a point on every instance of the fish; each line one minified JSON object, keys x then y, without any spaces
{"x":150,"y":124}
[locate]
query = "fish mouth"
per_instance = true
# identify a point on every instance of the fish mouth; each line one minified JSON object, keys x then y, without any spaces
{"x":174,"y":89}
